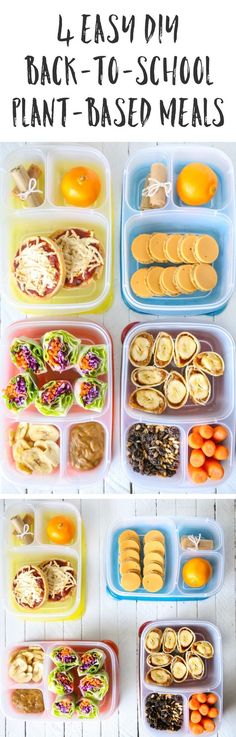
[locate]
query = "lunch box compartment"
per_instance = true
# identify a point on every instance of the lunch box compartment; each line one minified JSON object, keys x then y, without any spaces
{"x":22,"y":156}
{"x":60,"y":161}
{"x":213,"y":585}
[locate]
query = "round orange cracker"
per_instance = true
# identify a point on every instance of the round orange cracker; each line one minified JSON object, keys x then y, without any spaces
{"x":128,"y":535}
{"x":171,"y":248}
{"x":153,"y":568}
{"x":139,"y":248}
{"x":129,"y":554}
{"x":129,"y":544}
{"x":154,"y":535}
{"x":204,"y":277}
{"x":156,"y":247}
{"x":206,"y":249}
{"x":167,"y":281}
{"x":186,"y":248}
{"x":154,"y":546}
{"x":183,"y":279}
{"x":130,"y":581}
{"x":153,"y":280}
{"x":154,"y":558}
{"x":138,"y":283}
{"x":130,"y":565}
{"x":153,"y":582}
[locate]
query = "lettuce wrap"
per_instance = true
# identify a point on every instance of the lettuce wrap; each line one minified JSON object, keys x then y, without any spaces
{"x":92,"y":360}
{"x":60,"y":349}
{"x":61,"y":681}
{"x":95,"y":686}
{"x":55,"y":398}
{"x":20,"y":392}
{"x":90,"y":662}
{"x":87,"y":709}
{"x":64,"y":707}
{"x":90,"y":394}
{"x":64,"y":655}
{"x":27,"y":354}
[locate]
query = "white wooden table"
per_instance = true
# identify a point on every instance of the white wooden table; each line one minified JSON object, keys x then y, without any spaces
{"x":116,"y":319}
{"x":106,"y":618}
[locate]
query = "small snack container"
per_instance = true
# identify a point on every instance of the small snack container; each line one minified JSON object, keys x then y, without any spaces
{"x":172,"y":216}
{"x":44,"y":544}
{"x":176,"y":697}
{"x":72,"y":702}
{"x":76,"y":464}
{"x":40,"y":210}
{"x":184,"y":540}
{"x":172,"y":423}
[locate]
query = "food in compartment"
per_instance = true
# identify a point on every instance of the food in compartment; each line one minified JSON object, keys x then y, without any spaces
{"x":164,"y":712}
{"x":30,"y":587}
{"x":38,"y":267}
{"x":186,"y":655}
{"x":28,"y":700}
{"x":153,"y":563}
{"x":90,"y":394}
{"x":197,"y":572}
{"x":26,"y":664}
{"x":27,"y":187}
{"x":141,"y":349}
{"x":203,"y":712}
{"x":147,"y":353}
{"x":61,"y":578}
{"x":129,"y":560}
{"x":86,"y":445}
{"x":35,"y":448}
{"x":92,"y":360}
{"x":87,"y":709}
{"x":60,"y":349}
{"x":27,"y":354}
{"x":196,"y":184}
{"x":146,"y":570}
{"x":20,"y":392}
{"x":95,"y":686}
{"x":90,"y":661}
{"x":80,"y":186}
{"x":207,"y":452}
{"x":61,"y":530}
{"x":61,"y":681}
{"x":55,"y":398}
{"x":196,"y":541}
{"x":156,"y":188}
{"x":22,"y":529}
{"x":64,"y":707}
{"x":83,"y":256}
{"x":64,"y":655}
{"x":153,"y":450}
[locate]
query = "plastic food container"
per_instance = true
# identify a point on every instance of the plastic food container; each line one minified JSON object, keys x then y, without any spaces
{"x":20,"y":220}
{"x":65,"y":475}
{"x":220,"y":408}
{"x":42,"y":549}
{"x":111,"y":665}
{"x":211,"y":682}
{"x":176,"y":217}
{"x":174,"y":588}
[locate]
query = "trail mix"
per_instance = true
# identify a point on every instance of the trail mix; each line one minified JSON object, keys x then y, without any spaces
{"x":153,"y":450}
{"x":164,"y":711}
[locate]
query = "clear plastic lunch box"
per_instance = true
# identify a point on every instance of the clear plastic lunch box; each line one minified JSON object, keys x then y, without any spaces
{"x":220,"y":408}
{"x":42,"y":549}
{"x":66,"y":475}
{"x":173,"y":528}
{"x":211,"y":682}
{"x":217,"y":218}
{"x":107,"y":706}
{"x":19,"y":220}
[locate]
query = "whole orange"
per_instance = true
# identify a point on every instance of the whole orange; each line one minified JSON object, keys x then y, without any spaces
{"x":196,"y":572}
{"x":81,"y":186}
{"x":196,"y":184}
{"x":60,"y":530}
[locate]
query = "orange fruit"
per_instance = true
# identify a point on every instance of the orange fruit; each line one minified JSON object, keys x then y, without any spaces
{"x":220,"y":433}
{"x":60,"y":530}
{"x":196,"y":184}
{"x":81,"y":186}
{"x":196,"y":572}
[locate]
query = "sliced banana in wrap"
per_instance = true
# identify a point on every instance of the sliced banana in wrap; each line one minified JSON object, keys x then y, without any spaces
{"x":141,"y":349}
{"x":179,"y":669}
{"x":186,"y":347}
{"x":198,"y":384}
{"x":210,"y":362}
{"x":176,"y":390}
{"x":195,"y":665}
{"x":148,"y":399}
{"x":163,"y":350}
{"x":148,"y":376}
{"x":159,"y":677}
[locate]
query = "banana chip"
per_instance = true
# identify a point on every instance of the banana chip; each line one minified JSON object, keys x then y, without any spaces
{"x":34,"y":448}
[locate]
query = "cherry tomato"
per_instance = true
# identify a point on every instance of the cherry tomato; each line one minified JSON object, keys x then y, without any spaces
{"x":81,"y":186}
{"x":60,"y":530}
